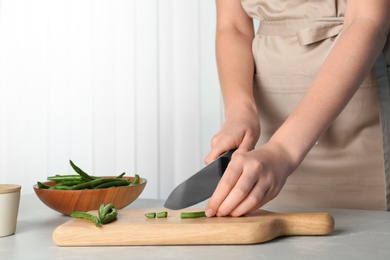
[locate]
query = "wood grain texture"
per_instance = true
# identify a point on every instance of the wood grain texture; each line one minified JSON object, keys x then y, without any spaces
{"x":133,"y":228}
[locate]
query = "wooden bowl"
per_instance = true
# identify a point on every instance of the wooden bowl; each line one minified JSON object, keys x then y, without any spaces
{"x":68,"y":201}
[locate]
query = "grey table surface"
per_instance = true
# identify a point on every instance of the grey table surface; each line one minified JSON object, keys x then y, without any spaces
{"x":358,"y":234}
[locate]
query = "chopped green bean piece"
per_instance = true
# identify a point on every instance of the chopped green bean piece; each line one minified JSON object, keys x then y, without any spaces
{"x":150,"y":215}
{"x":162,"y":214}
{"x":198,"y":214}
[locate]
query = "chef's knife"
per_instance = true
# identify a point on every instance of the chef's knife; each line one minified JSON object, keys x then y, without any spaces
{"x":200,"y":186}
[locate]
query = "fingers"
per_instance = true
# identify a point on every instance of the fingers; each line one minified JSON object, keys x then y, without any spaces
{"x":223,"y":189}
{"x":237,"y":191}
{"x":237,"y":203}
{"x":214,"y":154}
{"x":251,"y":203}
{"x":246,"y":185}
{"x":220,"y":145}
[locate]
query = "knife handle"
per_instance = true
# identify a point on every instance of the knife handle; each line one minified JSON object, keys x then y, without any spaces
{"x":224,"y":160}
{"x":228,"y":154}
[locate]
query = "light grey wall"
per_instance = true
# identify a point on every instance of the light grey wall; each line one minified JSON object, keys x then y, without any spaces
{"x":113,"y":85}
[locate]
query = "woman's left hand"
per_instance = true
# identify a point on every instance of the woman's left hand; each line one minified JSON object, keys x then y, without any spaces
{"x":251,"y":180}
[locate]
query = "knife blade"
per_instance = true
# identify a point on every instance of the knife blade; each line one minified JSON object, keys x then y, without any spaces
{"x":199,"y":186}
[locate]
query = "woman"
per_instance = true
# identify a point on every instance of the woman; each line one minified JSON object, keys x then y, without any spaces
{"x":306,"y":102}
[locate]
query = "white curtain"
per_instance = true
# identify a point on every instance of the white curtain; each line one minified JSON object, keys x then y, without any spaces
{"x":114,"y":85}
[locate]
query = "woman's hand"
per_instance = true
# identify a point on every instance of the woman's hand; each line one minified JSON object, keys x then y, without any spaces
{"x":251,"y":180}
{"x":241,"y":130}
{"x":234,"y":36}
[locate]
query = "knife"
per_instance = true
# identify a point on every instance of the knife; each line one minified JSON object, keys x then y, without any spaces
{"x":199,"y":186}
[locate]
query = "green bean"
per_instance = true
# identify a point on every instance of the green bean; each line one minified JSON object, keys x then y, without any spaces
{"x":150,"y":215}
{"x":136,"y":180}
{"x":110,"y":216}
{"x":116,"y":183}
{"x":121,"y":175}
{"x":58,"y":178}
{"x":60,"y":187}
{"x":87,"y":185}
{"x":162,"y":214}
{"x":104,"y":209}
{"x":100,"y":211}
{"x":42,"y":185}
{"x":69,"y":182}
{"x":83,"y":174}
{"x":199,"y":214}
{"x":92,"y":184}
{"x":86,"y":181}
{"x":87,"y":216}
{"x":107,"y":213}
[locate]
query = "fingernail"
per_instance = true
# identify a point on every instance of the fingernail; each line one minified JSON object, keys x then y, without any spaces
{"x":209,"y":213}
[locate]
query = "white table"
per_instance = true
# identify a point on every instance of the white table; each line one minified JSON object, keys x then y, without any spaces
{"x":358,"y":235}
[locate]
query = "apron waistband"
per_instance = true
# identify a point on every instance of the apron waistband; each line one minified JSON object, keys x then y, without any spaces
{"x":308,"y":31}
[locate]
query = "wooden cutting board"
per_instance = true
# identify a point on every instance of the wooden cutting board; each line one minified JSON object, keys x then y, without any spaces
{"x":133,"y":228}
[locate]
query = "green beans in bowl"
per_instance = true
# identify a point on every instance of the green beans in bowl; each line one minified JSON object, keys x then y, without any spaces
{"x":84,"y":192}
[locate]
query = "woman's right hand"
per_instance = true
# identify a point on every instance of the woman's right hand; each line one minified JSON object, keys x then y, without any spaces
{"x":241,"y":130}
{"x":234,"y":36}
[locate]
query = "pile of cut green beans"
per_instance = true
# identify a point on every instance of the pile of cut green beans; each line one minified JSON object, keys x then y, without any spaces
{"x":83,"y":181}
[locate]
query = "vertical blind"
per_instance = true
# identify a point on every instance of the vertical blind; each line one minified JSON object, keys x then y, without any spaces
{"x":115,"y":86}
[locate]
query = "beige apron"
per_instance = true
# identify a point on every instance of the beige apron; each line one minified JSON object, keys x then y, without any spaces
{"x":349,"y":165}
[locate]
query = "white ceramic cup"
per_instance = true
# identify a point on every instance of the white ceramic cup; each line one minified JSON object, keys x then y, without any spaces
{"x":9,"y":207}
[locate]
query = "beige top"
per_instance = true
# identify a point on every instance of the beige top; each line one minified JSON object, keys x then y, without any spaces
{"x":345,"y":169}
